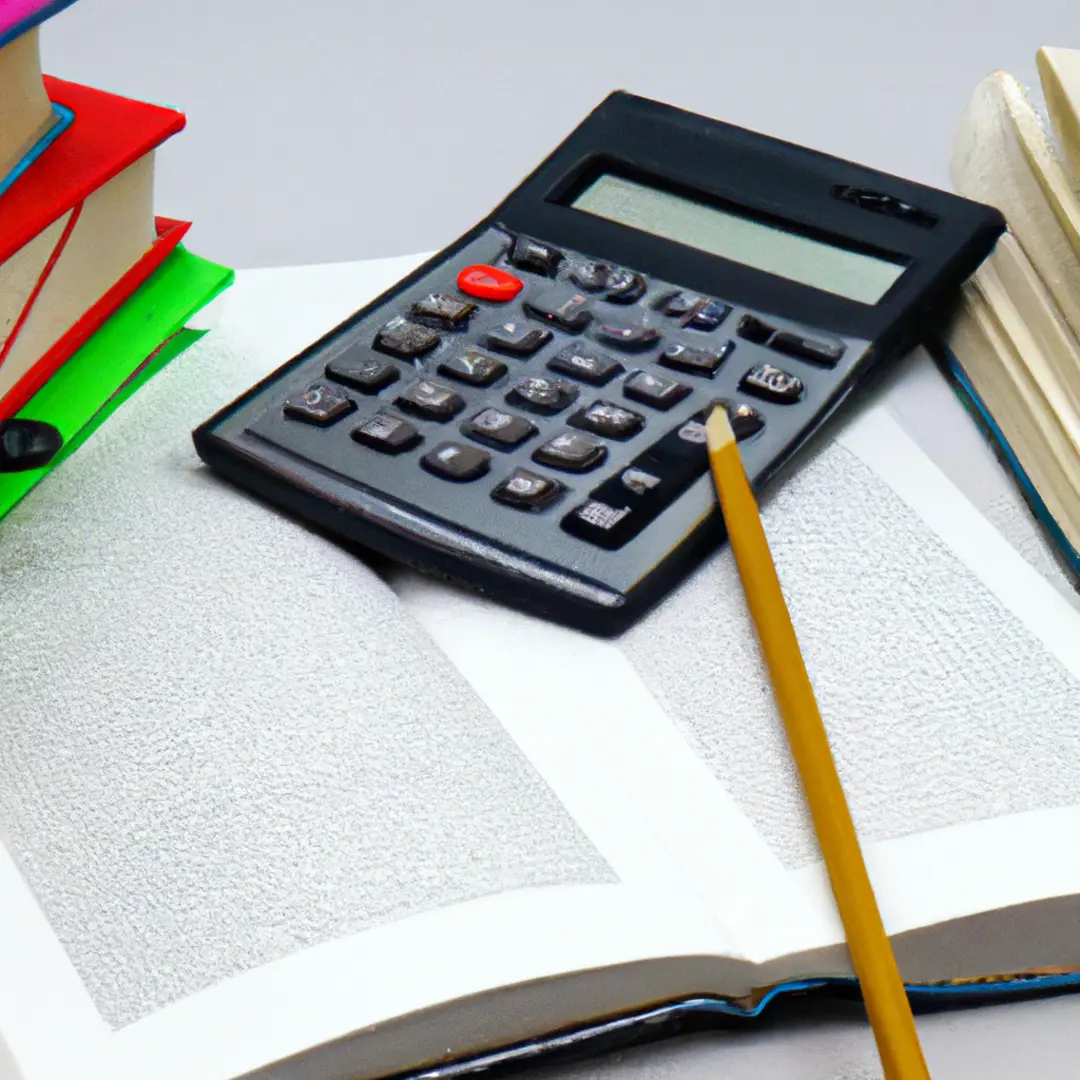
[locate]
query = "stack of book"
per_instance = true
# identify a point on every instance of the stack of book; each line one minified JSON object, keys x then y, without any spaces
{"x":95,"y":291}
{"x":1013,"y":347}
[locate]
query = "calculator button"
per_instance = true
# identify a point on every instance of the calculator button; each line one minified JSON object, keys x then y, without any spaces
{"x":624,"y":287}
{"x":754,"y":329}
{"x":498,"y":428}
{"x":631,"y":337}
{"x":569,"y":312}
{"x":387,"y":433}
{"x":368,"y":374}
{"x":638,"y":482}
{"x":599,"y":523}
{"x":603,"y":418}
{"x":680,"y":305}
{"x":708,"y":316}
{"x":572,"y":451}
{"x":532,"y":255}
{"x":430,"y":400}
{"x":654,"y":390}
{"x":518,"y":338}
{"x":541,"y":395}
{"x":320,"y":404}
{"x":696,"y":361}
{"x":456,"y":461}
{"x":679,"y":458}
{"x":489,"y":283}
{"x":590,"y":276}
{"x":446,"y":311}
{"x":745,"y":421}
{"x":404,"y":338}
{"x":588,"y":365}
{"x":473,"y":367}
{"x":527,"y":490}
{"x":772,"y":384}
{"x":820,"y":352}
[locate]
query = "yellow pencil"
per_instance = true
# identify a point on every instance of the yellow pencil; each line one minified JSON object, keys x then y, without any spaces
{"x":871,"y":953}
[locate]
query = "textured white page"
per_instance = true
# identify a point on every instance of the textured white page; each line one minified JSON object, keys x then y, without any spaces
{"x":942,"y":706}
{"x":222,"y":740}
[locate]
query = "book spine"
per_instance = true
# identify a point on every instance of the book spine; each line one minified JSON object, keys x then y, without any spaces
{"x":1068,"y":557}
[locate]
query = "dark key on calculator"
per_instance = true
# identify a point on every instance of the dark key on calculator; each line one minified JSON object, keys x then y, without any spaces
{"x":525,"y":413}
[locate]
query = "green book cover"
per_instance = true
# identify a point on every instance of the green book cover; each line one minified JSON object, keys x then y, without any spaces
{"x":136,"y":343}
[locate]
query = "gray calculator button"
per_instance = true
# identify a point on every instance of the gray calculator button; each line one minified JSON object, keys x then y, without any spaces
{"x":772,"y":384}
{"x":745,"y":421}
{"x":709,"y":316}
{"x":572,"y":451}
{"x":526,"y":490}
{"x":695,"y":361}
{"x":680,"y":305}
{"x":368,"y":374}
{"x":654,"y":390}
{"x":431,"y":400}
{"x":518,"y":338}
{"x":827,"y":353}
{"x":498,"y":428}
{"x":320,"y":404}
{"x":591,"y":276}
{"x":630,"y":337}
{"x":604,"y":418}
{"x":456,"y":461}
{"x":754,"y":329}
{"x":542,"y":395}
{"x":565,"y":311}
{"x":400,"y":337}
{"x":449,"y":312}
{"x":588,"y":365}
{"x":533,"y":255}
{"x":387,"y":433}
{"x":624,"y":287}
{"x":473,"y":367}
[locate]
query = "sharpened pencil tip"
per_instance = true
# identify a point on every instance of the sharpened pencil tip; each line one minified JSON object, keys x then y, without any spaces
{"x":718,"y":431}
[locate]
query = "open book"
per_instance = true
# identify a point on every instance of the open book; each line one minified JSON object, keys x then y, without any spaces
{"x":269,"y":810}
{"x":1014,"y":345}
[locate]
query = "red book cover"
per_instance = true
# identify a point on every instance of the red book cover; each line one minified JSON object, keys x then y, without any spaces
{"x":109,"y":134}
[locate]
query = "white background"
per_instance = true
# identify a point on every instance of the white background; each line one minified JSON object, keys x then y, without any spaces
{"x":342,"y":129}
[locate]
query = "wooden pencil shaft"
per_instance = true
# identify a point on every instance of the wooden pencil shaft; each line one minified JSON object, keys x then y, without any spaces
{"x":872,"y":957}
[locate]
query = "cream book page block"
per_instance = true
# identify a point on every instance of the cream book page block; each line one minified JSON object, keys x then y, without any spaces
{"x":115,"y":227}
{"x":25,"y":111}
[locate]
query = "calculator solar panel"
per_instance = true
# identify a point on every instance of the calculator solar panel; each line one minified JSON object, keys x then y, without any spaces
{"x":525,"y":414}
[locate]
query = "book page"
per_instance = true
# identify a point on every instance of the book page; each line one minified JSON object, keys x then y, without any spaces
{"x":947,"y":670}
{"x":237,"y":779}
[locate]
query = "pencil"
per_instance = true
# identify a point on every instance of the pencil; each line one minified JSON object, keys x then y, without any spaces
{"x":871,"y":954}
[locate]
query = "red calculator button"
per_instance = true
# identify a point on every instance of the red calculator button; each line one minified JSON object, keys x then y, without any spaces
{"x":489,"y":283}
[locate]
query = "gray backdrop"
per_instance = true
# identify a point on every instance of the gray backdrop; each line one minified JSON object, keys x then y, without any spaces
{"x":337,"y":129}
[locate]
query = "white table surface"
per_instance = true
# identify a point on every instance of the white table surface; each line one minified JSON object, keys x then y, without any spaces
{"x":341,"y":129}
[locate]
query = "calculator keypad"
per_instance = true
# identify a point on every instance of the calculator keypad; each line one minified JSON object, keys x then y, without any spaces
{"x":578,"y":391}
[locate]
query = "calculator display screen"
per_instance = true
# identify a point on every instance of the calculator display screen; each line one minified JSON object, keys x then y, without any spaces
{"x":863,"y":278}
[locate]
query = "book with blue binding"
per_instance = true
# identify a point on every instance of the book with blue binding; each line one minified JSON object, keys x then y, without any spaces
{"x":1013,"y":345}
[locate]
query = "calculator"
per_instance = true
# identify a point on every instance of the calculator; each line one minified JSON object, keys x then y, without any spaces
{"x":524,"y":414}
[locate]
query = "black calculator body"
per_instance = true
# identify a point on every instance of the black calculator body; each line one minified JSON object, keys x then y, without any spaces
{"x":524,"y":413}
